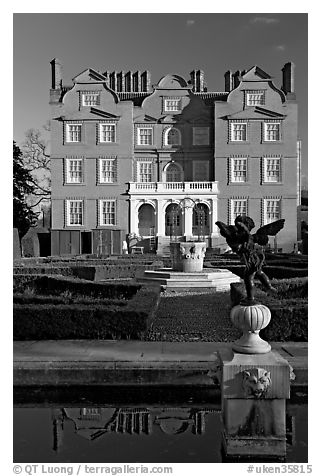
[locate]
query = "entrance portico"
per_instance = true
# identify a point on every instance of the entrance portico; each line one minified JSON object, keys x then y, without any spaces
{"x":174,"y":204}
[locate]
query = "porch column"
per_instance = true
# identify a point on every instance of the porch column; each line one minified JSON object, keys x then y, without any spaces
{"x":213,"y":217}
{"x":188,"y":221}
{"x":133,"y":217}
{"x":160,"y":218}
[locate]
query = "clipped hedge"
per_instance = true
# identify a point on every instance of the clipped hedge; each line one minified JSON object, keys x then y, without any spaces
{"x":111,"y":270}
{"x":273,"y":272}
{"x":295,"y":288}
{"x":66,"y":298}
{"x":289,"y":308}
{"x":77,"y":321}
{"x":56,"y":285}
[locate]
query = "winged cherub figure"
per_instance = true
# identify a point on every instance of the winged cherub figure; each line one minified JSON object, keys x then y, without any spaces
{"x":250,"y":248}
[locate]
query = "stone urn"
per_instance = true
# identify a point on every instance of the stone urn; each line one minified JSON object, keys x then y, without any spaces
{"x":251,"y":318}
{"x":188,"y":256}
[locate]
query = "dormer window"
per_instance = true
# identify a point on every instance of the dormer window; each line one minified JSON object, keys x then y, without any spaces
{"x":172,"y":105}
{"x":255,"y":98}
{"x":90,"y":99}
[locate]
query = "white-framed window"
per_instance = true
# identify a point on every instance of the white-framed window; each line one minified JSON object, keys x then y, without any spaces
{"x":107,"y":133}
{"x":201,"y":135}
{"x":238,"y":207}
{"x":75,"y":212}
{"x":272,"y":169}
{"x":173,"y":173}
{"x":272,"y":210}
{"x":272,"y":131}
{"x":145,"y":136}
{"x":74,"y":170}
{"x":238,"y":131}
{"x":107,"y":170}
{"x":172,"y":136}
{"x":73,"y":132}
{"x":238,"y":169}
{"x":107,"y":212}
{"x":145,"y":171}
{"x":172,"y":105}
{"x":255,"y":98}
{"x":200,"y":170}
{"x":90,"y":99}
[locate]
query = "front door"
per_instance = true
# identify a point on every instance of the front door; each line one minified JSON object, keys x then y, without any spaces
{"x":173,"y":220}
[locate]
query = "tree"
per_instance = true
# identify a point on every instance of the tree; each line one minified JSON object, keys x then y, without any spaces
{"x":23,"y":215}
{"x":37,"y":160}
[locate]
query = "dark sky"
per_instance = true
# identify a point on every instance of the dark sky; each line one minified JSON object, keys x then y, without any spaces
{"x":160,"y":42}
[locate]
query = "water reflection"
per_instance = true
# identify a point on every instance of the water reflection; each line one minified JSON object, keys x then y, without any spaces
{"x":133,"y":434}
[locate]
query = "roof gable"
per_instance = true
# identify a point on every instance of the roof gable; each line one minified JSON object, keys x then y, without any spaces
{"x":256,"y":113}
{"x":89,"y":75}
{"x":255,"y":74}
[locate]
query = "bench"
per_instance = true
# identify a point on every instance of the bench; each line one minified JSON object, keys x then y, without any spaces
{"x":136,"y":250}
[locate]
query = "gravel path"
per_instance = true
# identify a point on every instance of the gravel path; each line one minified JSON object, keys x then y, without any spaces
{"x":193,"y":316}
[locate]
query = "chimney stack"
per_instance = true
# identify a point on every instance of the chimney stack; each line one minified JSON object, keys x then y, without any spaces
{"x":236,"y":79}
{"x":56,"y":74}
{"x":288,"y":78}
{"x":228,"y":81}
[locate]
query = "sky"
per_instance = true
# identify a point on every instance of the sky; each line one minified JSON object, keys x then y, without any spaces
{"x":162,"y":43}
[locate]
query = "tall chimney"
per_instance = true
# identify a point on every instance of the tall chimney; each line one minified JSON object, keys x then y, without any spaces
{"x":236,"y":79}
{"x":56,"y":74}
{"x":288,"y":78}
{"x":228,"y":81}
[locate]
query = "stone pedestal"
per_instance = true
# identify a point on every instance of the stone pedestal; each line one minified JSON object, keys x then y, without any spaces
{"x":188,"y":256}
{"x":254,"y":391}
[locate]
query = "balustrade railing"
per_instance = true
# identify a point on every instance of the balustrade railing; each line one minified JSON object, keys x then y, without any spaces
{"x":173,"y":187}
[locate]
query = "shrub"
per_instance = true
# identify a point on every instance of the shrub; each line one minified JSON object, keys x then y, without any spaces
{"x":289,"y":308}
{"x":288,"y":323}
{"x":55,"y":285}
{"x":78,"y":321}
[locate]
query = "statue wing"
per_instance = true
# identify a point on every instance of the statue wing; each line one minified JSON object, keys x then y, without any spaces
{"x":227,"y":231}
{"x":231,"y":234}
{"x":261,"y":236}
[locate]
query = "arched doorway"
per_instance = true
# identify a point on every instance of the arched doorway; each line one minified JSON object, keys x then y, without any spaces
{"x":173,"y":220}
{"x":146,"y":220}
{"x":201,"y":220}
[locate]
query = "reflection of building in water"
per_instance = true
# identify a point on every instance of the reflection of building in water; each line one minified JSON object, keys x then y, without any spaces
{"x":92,"y":423}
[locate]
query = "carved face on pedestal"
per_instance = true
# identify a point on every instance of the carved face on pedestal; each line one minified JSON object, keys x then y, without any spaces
{"x":256,"y":382}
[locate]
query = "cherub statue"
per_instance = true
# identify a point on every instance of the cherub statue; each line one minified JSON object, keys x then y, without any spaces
{"x":250,"y":248}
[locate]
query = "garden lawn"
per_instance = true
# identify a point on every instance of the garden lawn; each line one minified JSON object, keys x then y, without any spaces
{"x":192,"y":316}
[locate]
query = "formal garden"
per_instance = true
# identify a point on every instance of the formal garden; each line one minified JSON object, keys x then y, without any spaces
{"x":98,"y":298}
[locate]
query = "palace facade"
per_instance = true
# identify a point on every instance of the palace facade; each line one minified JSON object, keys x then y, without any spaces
{"x":169,"y":160}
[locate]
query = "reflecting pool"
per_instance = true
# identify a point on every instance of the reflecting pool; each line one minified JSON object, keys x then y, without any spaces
{"x":130,"y":425}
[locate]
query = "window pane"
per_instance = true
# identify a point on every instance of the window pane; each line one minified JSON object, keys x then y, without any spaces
{"x":73,"y":132}
{"x":145,"y":172}
{"x":239,"y":170}
{"x":173,"y":173}
{"x":272,"y":170}
{"x":255,"y":99}
{"x":172,"y":104}
{"x":108,"y":212}
{"x":74,"y":174}
{"x":107,"y":170}
{"x":239,"y":132}
{"x":272,"y":132}
{"x":238,"y":207}
{"x":90,"y":99}
{"x":75,"y":212}
{"x":145,"y":136}
{"x":173,"y":137}
{"x":107,"y":133}
{"x":272,"y":210}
